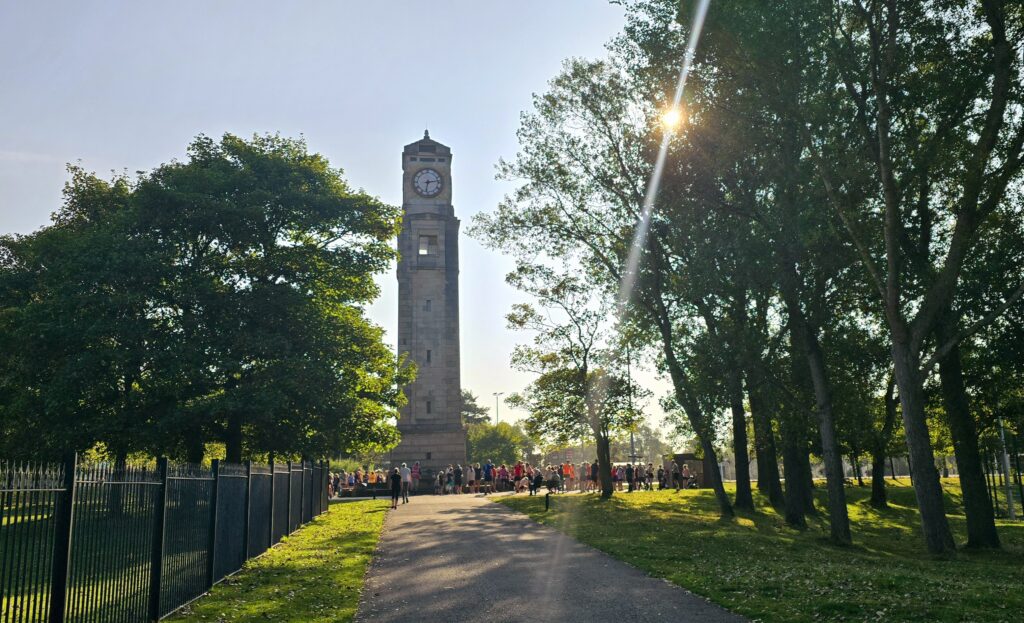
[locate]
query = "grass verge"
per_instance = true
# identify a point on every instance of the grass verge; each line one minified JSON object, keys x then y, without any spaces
{"x":314,"y":576}
{"x":757,"y":566}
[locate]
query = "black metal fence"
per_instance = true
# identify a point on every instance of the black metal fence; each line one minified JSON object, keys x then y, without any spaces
{"x":99,"y":543}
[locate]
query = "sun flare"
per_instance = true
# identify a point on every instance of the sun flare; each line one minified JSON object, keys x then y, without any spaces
{"x":672,"y":118}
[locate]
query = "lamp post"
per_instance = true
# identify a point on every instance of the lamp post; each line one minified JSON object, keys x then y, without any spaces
{"x":497,"y":415}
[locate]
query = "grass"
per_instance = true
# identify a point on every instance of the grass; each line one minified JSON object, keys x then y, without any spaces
{"x":757,"y":566}
{"x":314,"y":576}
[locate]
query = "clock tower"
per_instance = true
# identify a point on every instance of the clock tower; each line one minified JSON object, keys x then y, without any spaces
{"x":428,"y":311}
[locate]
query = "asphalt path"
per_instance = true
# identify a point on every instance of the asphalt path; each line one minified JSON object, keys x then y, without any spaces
{"x":463,"y":558}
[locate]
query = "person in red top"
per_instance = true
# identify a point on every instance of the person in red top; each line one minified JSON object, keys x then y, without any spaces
{"x":518,"y":470}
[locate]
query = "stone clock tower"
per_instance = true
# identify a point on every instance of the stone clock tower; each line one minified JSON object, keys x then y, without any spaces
{"x":428,"y":310}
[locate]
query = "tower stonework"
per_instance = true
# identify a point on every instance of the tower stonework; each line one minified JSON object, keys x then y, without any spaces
{"x":428,"y":310}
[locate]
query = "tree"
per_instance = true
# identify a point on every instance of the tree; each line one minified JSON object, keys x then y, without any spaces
{"x":927,"y":191}
{"x":472,"y":411}
{"x":503,"y":443}
{"x":579,"y":387}
{"x":584,"y":161}
{"x":219,"y":298}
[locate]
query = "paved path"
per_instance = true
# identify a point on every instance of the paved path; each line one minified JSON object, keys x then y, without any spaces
{"x":449,"y":558}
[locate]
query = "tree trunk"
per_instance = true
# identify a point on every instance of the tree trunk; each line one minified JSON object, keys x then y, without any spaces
{"x":604,"y":464}
{"x":805,"y":339}
{"x":195,"y":448}
{"x":233,"y":439}
{"x":879,"y":498}
{"x":744,"y":496}
{"x":833,"y":459}
{"x":768,"y":481}
{"x":934,"y":523}
{"x":793,"y":444}
{"x":684,"y":395}
{"x":716,"y":477}
{"x":807,"y":474}
{"x":981,"y":521}
{"x":855,"y":462}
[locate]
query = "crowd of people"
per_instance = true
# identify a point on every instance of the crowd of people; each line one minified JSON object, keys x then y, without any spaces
{"x":582,"y":477}
{"x":522,"y":477}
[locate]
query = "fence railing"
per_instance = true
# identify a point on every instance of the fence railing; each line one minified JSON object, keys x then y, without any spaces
{"x":85,"y":542}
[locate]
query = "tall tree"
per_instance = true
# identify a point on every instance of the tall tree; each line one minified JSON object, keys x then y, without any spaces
{"x":580,"y":387}
{"x":472,"y":411}
{"x":214,"y":299}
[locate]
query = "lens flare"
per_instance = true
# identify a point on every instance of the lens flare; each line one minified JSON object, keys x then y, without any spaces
{"x":672,"y":118}
{"x":644,"y":224}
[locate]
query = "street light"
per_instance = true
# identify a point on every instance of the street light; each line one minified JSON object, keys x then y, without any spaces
{"x":497,"y":415}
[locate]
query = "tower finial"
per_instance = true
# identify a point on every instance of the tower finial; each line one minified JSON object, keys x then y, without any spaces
{"x":426,"y":134}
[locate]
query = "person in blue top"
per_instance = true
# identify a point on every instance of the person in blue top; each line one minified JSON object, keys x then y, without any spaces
{"x":488,"y":476}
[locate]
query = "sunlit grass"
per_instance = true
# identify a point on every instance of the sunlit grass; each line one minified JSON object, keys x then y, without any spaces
{"x":313,"y":576}
{"x":757,"y":566}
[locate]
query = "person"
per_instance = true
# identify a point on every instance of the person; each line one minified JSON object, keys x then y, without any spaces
{"x":417,"y":473}
{"x":439,"y":482}
{"x":488,"y":477}
{"x":523,"y":483}
{"x":396,"y":488}
{"x":676,"y":476}
{"x":538,"y":482}
{"x":629,"y":477}
{"x":503,"y":477}
{"x":686,"y":476}
{"x":406,"y":474}
{"x":661,"y":478}
{"x":595,"y":475}
{"x":470,"y":478}
{"x":458,"y":478}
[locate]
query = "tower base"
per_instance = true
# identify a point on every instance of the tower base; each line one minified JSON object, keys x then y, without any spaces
{"x":434,"y":449}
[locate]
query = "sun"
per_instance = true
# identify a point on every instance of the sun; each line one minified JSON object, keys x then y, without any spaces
{"x":672,"y":118}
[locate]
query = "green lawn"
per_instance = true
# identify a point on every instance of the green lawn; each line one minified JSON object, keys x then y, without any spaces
{"x":757,"y":566}
{"x":315,"y":575}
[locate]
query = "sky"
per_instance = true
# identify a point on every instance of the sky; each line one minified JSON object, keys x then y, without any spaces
{"x":126,"y":85}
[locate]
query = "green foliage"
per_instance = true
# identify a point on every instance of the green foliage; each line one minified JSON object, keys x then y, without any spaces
{"x":215,"y":299}
{"x":758,"y":567}
{"x":502,"y":444}
{"x":472,"y":411}
{"x":313,"y":576}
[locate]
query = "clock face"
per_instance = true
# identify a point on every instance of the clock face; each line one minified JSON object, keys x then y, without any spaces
{"x":427,"y":182}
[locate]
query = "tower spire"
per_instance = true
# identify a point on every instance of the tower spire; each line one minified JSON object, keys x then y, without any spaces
{"x":426,"y":134}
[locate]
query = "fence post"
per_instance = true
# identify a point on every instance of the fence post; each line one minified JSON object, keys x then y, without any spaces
{"x":156,"y":561}
{"x":211,"y":547}
{"x":302,"y":492}
{"x":273,"y":488}
{"x":288,"y":496}
{"x":248,"y":509}
{"x":62,"y":543}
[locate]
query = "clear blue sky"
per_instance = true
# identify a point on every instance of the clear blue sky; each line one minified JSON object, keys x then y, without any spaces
{"x":126,"y":85}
